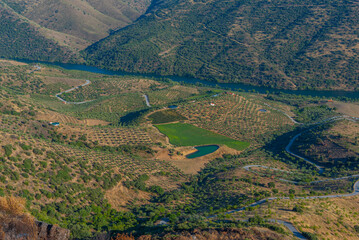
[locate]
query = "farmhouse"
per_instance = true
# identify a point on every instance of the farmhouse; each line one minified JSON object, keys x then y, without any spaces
{"x":55,"y":124}
{"x":37,"y":68}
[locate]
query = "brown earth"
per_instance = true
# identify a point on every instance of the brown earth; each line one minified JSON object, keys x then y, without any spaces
{"x":72,"y":82}
{"x":51,"y":116}
{"x":191,"y":166}
{"x":254,"y":233}
{"x":350,"y":109}
{"x":4,"y":62}
{"x":327,"y":218}
{"x":120,"y":196}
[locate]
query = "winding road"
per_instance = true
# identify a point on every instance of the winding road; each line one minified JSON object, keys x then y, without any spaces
{"x":321,"y":169}
{"x":72,"y":89}
{"x":147,"y":100}
{"x":286,"y":114}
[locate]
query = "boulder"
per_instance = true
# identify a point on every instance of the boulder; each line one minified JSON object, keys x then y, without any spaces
{"x":51,"y":232}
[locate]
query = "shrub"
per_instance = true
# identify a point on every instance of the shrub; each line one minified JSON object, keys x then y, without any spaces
{"x":298,"y":208}
{"x":8,"y":150}
{"x":310,"y":236}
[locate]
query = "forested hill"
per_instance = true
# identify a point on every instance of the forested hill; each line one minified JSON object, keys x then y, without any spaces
{"x":290,"y":44}
{"x":19,"y":39}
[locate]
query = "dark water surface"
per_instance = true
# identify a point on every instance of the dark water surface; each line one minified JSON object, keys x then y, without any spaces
{"x":232,"y":86}
{"x":203,"y":150}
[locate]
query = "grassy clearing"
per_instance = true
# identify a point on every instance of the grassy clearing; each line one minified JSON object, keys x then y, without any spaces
{"x":166,"y":116}
{"x":182,"y":134}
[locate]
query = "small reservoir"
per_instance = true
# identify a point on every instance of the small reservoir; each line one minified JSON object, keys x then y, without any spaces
{"x":173,"y":107}
{"x":202,"y":151}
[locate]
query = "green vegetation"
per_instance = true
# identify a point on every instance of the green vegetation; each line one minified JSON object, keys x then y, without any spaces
{"x":182,"y":134}
{"x":312,"y":114}
{"x":237,"y":117}
{"x":166,"y":116}
{"x":302,"y":44}
{"x":19,"y":39}
{"x":123,"y":176}
{"x":337,"y":151}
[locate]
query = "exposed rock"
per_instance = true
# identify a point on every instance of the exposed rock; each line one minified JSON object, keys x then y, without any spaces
{"x":51,"y":232}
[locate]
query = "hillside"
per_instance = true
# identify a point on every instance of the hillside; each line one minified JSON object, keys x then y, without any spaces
{"x":49,"y":30}
{"x":20,"y":39}
{"x":94,"y":161}
{"x":283,"y":44}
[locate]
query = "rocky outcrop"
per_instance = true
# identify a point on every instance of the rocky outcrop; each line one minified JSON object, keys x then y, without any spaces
{"x":17,"y":223}
{"x":20,"y":230}
{"x":51,"y":232}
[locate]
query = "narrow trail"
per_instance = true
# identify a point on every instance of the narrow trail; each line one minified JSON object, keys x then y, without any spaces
{"x":72,"y":89}
{"x":286,"y":114}
{"x":321,"y":169}
{"x":287,"y":149}
{"x":147,"y":100}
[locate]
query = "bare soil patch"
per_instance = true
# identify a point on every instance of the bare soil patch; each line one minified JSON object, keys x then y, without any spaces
{"x":120,"y":196}
{"x":327,"y":218}
{"x":192,"y":166}
{"x":4,"y":62}
{"x":68,"y":81}
{"x":350,"y":109}
{"x":64,"y":119}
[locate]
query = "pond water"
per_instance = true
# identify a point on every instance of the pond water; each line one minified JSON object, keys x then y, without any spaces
{"x":173,"y":106}
{"x":202,"y":151}
{"x":232,"y":86}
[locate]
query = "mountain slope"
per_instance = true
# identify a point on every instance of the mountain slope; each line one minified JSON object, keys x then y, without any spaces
{"x":78,"y":23}
{"x":286,"y":44}
{"x":20,"y":39}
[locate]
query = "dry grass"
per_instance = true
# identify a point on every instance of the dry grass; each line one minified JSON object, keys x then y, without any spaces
{"x":123,"y":236}
{"x":191,"y":166}
{"x":254,"y":233}
{"x":327,"y":218}
{"x":350,"y":109}
{"x":120,"y":196}
{"x":108,"y":136}
{"x":346,"y":128}
{"x":71,"y":82}
{"x":15,"y":222}
{"x":77,"y":23}
{"x":4,"y":62}
{"x":51,"y":116}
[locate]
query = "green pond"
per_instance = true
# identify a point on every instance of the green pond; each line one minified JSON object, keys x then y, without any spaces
{"x":203,"y":150}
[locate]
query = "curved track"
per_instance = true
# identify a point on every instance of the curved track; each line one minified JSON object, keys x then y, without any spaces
{"x":147,"y":100}
{"x":72,"y":89}
{"x":321,"y":169}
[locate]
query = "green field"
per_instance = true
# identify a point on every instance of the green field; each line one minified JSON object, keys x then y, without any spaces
{"x":166,"y":116}
{"x":182,"y":134}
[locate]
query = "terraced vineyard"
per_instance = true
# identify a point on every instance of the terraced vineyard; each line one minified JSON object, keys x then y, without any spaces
{"x":58,"y":180}
{"x":235,"y":116}
{"x":110,"y":136}
{"x":111,"y":87}
{"x":115,"y":107}
{"x":172,"y":94}
{"x":128,"y":167}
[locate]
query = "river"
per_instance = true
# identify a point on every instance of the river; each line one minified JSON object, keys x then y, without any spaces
{"x":231,"y":86}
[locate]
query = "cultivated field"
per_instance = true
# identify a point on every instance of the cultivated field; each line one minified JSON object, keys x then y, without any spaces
{"x":172,"y":94}
{"x":181,"y":134}
{"x":236,"y":116}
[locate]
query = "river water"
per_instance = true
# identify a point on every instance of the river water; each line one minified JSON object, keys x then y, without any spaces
{"x":231,"y":86}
